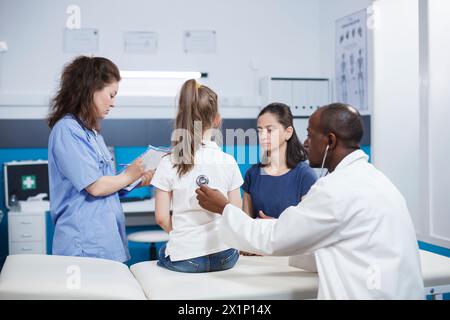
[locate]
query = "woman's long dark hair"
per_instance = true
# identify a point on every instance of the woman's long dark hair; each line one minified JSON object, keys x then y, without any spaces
{"x":79,"y":81}
{"x":295,"y":152}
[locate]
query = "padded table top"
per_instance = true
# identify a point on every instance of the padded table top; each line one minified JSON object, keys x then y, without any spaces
{"x":251,"y":278}
{"x":53,"y":277}
{"x":256,"y":278}
{"x":34,"y":276}
{"x":435,"y":269}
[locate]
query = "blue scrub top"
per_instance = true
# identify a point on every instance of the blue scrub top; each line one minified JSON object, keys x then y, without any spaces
{"x":84,"y":225}
{"x":273,"y":194}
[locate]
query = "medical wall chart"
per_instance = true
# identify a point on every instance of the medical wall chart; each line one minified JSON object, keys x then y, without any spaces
{"x":351,"y":60}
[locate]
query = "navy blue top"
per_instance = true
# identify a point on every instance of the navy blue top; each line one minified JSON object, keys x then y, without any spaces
{"x":273,"y":194}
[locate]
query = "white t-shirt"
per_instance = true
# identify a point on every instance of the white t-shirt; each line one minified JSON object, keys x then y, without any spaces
{"x":194,"y":229}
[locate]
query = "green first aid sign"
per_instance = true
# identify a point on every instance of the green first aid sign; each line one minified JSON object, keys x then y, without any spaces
{"x":28,"y":182}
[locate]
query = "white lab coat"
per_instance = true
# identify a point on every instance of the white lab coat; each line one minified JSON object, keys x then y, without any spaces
{"x":358,"y":226}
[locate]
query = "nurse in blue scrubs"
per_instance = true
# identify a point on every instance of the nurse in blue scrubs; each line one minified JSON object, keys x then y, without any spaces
{"x":283,"y":177}
{"x":84,"y":205}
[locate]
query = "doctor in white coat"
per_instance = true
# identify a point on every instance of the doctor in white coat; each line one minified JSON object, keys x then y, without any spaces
{"x":354,"y":219}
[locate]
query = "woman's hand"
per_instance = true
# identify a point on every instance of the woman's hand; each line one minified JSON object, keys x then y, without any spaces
{"x":263,"y":216}
{"x":249,"y":254}
{"x":135,"y":170}
{"x":147,"y":178}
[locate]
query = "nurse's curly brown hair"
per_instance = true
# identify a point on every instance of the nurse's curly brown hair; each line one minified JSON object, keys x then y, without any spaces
{"x":80,"y":79}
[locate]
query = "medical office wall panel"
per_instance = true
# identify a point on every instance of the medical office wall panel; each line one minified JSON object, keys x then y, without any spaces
{"x":244,"y":51}
{"x":23,"y":133}
{"x":395,"y":115}
{"x":117,"y":132}
{"x":437,"y":125}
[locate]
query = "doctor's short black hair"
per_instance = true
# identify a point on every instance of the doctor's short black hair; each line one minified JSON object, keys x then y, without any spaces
{"x":344,"y":121}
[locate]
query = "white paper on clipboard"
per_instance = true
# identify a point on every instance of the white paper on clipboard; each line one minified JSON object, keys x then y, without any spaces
{"x":150,"y":159}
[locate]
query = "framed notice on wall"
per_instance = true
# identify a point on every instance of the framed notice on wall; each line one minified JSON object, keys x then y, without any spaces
{"x":351,"y":61}
{"x":203,"y":42}
{"x":141,"y":42}
{"x":81,"y":40}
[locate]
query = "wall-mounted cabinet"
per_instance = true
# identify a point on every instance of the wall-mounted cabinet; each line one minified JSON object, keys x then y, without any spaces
{"x":303,"y":95}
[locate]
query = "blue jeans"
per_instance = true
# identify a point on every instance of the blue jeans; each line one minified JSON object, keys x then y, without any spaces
{"x":212,"y":262}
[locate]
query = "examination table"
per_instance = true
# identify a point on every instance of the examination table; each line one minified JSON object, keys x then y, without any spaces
{"x":59,"y":277}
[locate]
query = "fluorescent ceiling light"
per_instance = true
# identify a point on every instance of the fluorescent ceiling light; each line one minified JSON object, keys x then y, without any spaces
{"x":160,"y":74}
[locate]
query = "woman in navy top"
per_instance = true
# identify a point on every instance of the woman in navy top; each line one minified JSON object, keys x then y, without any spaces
{"x":282,"y":178}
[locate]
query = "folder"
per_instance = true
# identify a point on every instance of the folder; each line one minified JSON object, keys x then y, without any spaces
{"x":150,"y":159}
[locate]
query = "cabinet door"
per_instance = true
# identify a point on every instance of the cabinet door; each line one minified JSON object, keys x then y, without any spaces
{"x":26,"y":234}
{"x":309,"y":95}
{"x":25,"y":220}
{"x":26,"y":228}
{"x":26,"y":247}
{"x":281,"y":91}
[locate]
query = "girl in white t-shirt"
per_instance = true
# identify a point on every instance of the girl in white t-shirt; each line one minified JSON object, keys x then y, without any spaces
{"x":194,"y":244}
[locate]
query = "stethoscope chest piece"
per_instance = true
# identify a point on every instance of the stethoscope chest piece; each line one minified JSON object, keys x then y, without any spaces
{"x":202,"y":180}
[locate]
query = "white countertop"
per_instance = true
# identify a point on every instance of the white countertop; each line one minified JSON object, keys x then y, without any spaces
{"x":139,"y":206}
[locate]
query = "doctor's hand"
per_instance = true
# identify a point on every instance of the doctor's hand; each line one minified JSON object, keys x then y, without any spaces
{"x":135,"y":170}
{"x":147,"y":178}
{"x":211,"y":199}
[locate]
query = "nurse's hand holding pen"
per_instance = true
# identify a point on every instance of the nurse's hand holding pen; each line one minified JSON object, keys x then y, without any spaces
{"x":146,"y":178}
{"x":107,"y":185}
{"x":134,"y":171}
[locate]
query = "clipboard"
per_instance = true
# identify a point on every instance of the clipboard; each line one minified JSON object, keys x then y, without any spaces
{"x":150,"y":159}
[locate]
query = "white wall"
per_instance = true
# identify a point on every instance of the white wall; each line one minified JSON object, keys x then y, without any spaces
{"x":278,"y":37}
{"x":255,"y":38}
{"x":395,"y":117}
{"x":438,"y":108}
{"x":330,"y":11}
{"x":411,"y":109}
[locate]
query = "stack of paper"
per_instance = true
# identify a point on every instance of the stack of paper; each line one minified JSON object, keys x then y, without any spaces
{"x":150,"y":158}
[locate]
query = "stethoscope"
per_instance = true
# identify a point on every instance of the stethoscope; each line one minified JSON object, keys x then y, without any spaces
{"x":94,"y":141}
{"x":202,"y":180}
{"x":323,"y":162}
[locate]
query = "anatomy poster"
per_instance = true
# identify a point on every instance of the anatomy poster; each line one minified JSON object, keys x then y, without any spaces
{"x":351,"y":60}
